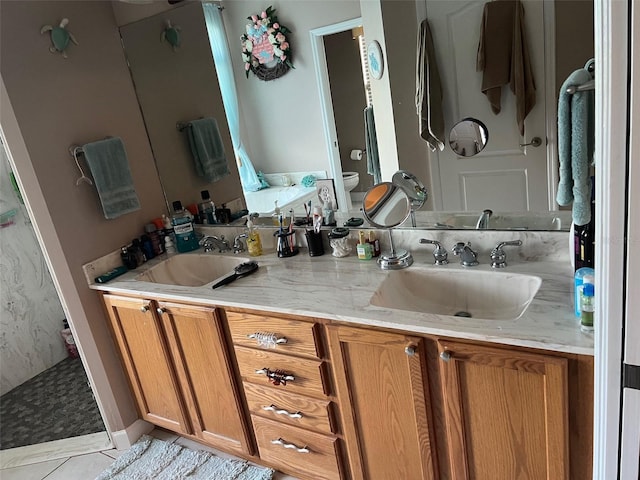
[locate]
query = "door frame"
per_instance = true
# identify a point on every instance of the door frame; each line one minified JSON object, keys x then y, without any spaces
{"x":611,"y":55}
{"x":630,"y":428}
{"x":326,"y":105}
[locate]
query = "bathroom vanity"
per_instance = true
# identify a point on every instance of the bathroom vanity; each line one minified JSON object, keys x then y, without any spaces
{"x":295,"y":368}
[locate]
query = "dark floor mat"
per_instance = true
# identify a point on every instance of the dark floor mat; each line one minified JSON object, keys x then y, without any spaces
{"x":55,"y":404}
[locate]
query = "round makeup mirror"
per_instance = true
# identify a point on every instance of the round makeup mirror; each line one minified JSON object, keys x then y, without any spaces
{"x":386,"y":205}
{"x":468,"y":137}
{"x":414,"y":188}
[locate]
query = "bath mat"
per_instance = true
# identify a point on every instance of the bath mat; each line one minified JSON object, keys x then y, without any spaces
{"x":153,"y":459}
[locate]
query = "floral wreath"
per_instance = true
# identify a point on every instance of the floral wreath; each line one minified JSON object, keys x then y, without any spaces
{"x":265,"y":49}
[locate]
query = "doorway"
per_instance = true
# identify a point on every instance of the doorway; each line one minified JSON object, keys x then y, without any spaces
{"x":44,"y":393}
{"x":348,"y":129}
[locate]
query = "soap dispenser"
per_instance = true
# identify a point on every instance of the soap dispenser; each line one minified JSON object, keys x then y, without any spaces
{"x":254,"y":243}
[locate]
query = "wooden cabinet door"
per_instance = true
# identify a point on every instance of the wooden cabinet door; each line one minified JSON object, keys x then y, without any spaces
{"x":147,"y":360}
{"x":381,"y":384}
{"x":206,"y":374}
{"x":506,"y":413}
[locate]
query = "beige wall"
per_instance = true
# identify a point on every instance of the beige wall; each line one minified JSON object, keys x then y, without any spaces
{"x":401,"y":31}
{"x":50,"y":103}
{"x":574,"y":37}
{"x":348,"y":98}
{"x":174,"y":86}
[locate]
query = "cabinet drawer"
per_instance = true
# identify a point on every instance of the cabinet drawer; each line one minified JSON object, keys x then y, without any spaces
{"x":247,"y":329}
{"x":307,"y":374}
{"x":318,"y":460}
{"x":287,"y":407}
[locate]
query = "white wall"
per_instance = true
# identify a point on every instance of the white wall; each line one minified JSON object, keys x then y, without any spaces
{"x":30,"y":312}
{"x":282,"y":120}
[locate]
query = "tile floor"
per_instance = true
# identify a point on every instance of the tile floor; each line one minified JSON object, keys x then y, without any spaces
{"x":88,"y":466}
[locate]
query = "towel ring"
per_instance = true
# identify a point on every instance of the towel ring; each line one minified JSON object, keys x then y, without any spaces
{"x":76,"y":150}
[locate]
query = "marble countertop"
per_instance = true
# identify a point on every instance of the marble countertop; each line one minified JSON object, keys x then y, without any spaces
{"x":341,"y":289}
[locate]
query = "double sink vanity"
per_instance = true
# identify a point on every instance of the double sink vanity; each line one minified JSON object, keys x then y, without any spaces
{"x":331,"y":368}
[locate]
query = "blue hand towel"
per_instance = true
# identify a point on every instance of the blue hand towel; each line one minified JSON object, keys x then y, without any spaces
{"x":371,"y":144}
{"x":207,"y":149}
{"x":575,"y":146}
{"x":109,"y":166}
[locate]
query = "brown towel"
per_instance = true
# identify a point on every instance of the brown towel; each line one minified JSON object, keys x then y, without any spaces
{"x":503,"y":57}
{"x":429,"y":91}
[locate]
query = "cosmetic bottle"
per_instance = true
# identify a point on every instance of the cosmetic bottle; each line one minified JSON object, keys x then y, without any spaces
{"x":587,"y":304}
{"x":128,"y":258}
{"x":207,"y":208}
{"x":156,"y":241}
{"x":363,"y":248}
{"x":147,"y":246}
{"x":578,"y":281}
{"x":181,"y":220}
{"x":375,"y":244}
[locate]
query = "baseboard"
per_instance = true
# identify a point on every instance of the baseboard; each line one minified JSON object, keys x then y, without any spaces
{"x":123,"y":439}
{"x":67,"y":447}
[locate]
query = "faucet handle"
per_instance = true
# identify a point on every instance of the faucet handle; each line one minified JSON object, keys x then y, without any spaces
{"x":439,"y":253}
{"x":499,"y":257}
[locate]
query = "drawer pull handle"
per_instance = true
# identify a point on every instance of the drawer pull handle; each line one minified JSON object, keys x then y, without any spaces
{"x":267,"y":339}
{"x":276,"y":377}
{"x":273,"y":408}
{"x":279,"y":441}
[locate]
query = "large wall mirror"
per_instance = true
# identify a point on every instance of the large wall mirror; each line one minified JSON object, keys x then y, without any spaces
{"x":283,"y":126}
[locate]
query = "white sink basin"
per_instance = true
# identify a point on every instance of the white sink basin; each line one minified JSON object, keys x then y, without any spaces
{"x":191,"y":270}
{"x":475,"y":294}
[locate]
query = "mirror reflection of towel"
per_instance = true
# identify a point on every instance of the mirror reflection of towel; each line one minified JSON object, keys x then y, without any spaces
{"x":503,"y":57}
{"x":429,"y":91}
{"x":207,"y":149}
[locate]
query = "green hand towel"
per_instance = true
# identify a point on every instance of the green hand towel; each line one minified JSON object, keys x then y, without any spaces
{"x":109,"y":167}
{"x":207,"y":149}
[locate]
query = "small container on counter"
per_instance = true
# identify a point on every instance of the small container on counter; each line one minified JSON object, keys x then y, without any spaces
{"x":364,"y":249}
{"x":340,"y":242}
{"x":254,"y":242}
{"x":587,"y":304}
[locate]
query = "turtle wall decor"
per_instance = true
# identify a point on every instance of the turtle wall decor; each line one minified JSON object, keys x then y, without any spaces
{"x":60,"y":37}
{"x":171,"y":34}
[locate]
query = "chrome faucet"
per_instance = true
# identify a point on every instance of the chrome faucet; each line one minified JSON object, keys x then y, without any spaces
{"x":483,"y":220}
{"x":498,"y":257}
{"x":439,"y":253}
{"x":468,"y":258}
{"x":211,"y":242}
{"x":238,"y":246}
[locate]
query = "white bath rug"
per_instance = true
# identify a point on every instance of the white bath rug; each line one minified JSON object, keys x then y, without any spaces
{"x":153,"y":459}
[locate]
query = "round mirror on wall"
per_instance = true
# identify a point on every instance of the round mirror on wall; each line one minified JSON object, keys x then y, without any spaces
{"x":468,"y":137}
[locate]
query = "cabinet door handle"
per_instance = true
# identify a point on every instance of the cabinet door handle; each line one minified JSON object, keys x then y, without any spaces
{"x":161,"y":310}
{"x":280,"y":441}
{"x":410,"y":350}
{"x":276,"y":377}
{"x":144,"y":308}
{"x":273,"y":408}
{"x":267,"y":339}
{"x":446,"y":356}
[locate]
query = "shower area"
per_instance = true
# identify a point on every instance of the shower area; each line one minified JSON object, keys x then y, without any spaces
{"x":44,"y":392}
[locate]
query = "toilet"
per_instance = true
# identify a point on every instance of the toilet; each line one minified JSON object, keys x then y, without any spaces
{"x":350,"y":180}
